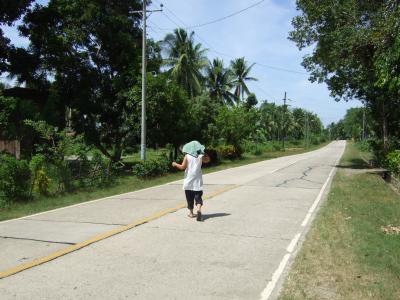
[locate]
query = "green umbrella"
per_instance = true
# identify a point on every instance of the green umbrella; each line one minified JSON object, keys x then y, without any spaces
{"x":193,"y":148}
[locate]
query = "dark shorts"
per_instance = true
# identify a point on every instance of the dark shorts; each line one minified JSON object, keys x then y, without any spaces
{"x":193,"y":196}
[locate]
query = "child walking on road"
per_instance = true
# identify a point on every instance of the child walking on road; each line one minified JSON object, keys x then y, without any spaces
{"x":193,"y":180}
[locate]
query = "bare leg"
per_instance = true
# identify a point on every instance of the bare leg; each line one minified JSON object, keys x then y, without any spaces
{"x":191,"y":215}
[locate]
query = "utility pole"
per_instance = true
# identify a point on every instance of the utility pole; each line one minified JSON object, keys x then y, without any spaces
{"x":306,"y":130}
{"x":283,"y":125}
{"x":144,"y":71}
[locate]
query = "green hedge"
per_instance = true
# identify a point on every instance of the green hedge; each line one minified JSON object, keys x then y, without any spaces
{"x":152,"y":167}
{"x":15,"y":178}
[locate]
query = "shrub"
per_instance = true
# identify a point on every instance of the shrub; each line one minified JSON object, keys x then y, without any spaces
{"x":100,"y":170}
{"x":254,"y":148}
{"x":257,"y":150}
{"x":152,"y":168}
{"x":37,"y":164}
{"x":364,"y":146}
{"x":42,"y":182}
{"x":230,"y":151}
{"x":276,"y":146}
{"x":392,"y":162}
{"x":14,"y":178}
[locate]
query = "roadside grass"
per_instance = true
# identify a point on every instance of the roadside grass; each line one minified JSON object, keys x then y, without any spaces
{"x":128,"y":183}
{"x":345,"y":254}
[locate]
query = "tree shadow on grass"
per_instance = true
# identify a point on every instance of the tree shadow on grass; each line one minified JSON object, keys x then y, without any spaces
{"x":354,"y":163}
{"x":216,"y":215}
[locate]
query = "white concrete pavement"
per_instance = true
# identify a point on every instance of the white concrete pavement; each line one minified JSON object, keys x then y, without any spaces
{"x":250,"y":228}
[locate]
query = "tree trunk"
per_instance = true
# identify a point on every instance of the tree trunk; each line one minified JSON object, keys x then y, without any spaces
{"x":384,"y":129}
{"x":176,"y":152}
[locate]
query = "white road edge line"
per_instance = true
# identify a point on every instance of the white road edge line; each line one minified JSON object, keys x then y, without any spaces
{"x":275,"y":277}
{"x":319,"y":197}
{"x":266,"y":293}
{"x":293,"y":243}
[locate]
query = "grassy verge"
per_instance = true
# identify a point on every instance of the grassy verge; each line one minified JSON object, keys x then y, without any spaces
{"x":125,"y":184}
{"x":346,"y":255}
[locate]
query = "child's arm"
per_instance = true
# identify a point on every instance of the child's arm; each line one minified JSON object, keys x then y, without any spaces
{"x":183,"y":166}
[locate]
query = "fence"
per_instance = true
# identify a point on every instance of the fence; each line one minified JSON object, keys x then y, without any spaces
{"x":12,"y":147}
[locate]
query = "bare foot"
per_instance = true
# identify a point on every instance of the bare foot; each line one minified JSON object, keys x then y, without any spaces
{"x":191,"y":215}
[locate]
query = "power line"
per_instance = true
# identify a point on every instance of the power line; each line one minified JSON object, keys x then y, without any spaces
{"x":220,"y":19}
{"x":216,"y":51}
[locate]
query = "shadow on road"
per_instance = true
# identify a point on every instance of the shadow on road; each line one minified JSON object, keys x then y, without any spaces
{"x":217,"y":215}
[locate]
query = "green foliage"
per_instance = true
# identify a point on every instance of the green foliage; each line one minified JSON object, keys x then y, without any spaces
{"x":230,"y":151}
{"x":152,"y":168}
{"x":37,"y":165}
{"x":168,"y":105}
{"x":219,"y":81}
{"x":42,"y":182}
{"x":93,"y":50}
{"x":14,"y":179}
{"x":253,"y":148}
{"x":241,"y":71}
{"x":100,"y":170}
{"x":235,"y":124}
{"x":364,"y":146}
{"x":356,"y":54}
{"x":13,"y":111}
{"x":392,"y":162}
{"x":10,"y":11}
{"x":186,"y":59}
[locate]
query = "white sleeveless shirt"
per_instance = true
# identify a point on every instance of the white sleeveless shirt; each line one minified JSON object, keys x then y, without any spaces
{"x":193,"y":180}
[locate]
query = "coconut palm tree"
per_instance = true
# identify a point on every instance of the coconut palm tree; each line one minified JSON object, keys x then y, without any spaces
{"x":241,"y":72}
{"x":186,"y":60}
{"x":219,"y":82}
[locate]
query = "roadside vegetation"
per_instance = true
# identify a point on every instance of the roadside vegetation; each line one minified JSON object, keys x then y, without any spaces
{"x":351,"y":250}
{"x":129,"y":182}
{"x":75,"y":107}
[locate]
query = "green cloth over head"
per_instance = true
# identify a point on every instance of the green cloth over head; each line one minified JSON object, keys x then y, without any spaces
{"x":193,"y":148}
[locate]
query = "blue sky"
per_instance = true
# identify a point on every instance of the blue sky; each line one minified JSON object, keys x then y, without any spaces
{"x":259,"y":34}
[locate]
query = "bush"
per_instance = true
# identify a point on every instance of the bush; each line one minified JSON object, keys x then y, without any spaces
{"x":152,"y":168}
{"x":230,"y":151}
{"x":40,"y":178}
{"x":276,"y":146}
{"x":364,"y":146}
{"x":392,"y":162}
{"x":14,"y":178}
{"x":42,"y":182}
{"x":100,"y":170}
{"x":254,"y":148}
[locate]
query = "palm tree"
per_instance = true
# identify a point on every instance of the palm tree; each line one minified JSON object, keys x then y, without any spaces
{"x":186,"y":59}
{"x":241,"y":72}
{"x":219,"y":82}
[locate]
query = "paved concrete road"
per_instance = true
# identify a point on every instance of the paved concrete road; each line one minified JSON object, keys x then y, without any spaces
{"x":250,"y":229}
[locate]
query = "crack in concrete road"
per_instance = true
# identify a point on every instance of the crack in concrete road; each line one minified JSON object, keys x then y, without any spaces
{"x":303,"y":177}
{"x":76,"y":222}
{"x":36,"y":240}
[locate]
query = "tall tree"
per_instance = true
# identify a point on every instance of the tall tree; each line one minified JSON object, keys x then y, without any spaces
{"x":241,"y":71}
{"x":354,"y":52}
{"x":219,"y":82}
{"x":186,"y":59}
{"x":10,"y":11}
{"x":92,"y":50}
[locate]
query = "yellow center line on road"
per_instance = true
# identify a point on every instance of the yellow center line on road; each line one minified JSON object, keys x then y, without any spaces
{"x":103,"y":236}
